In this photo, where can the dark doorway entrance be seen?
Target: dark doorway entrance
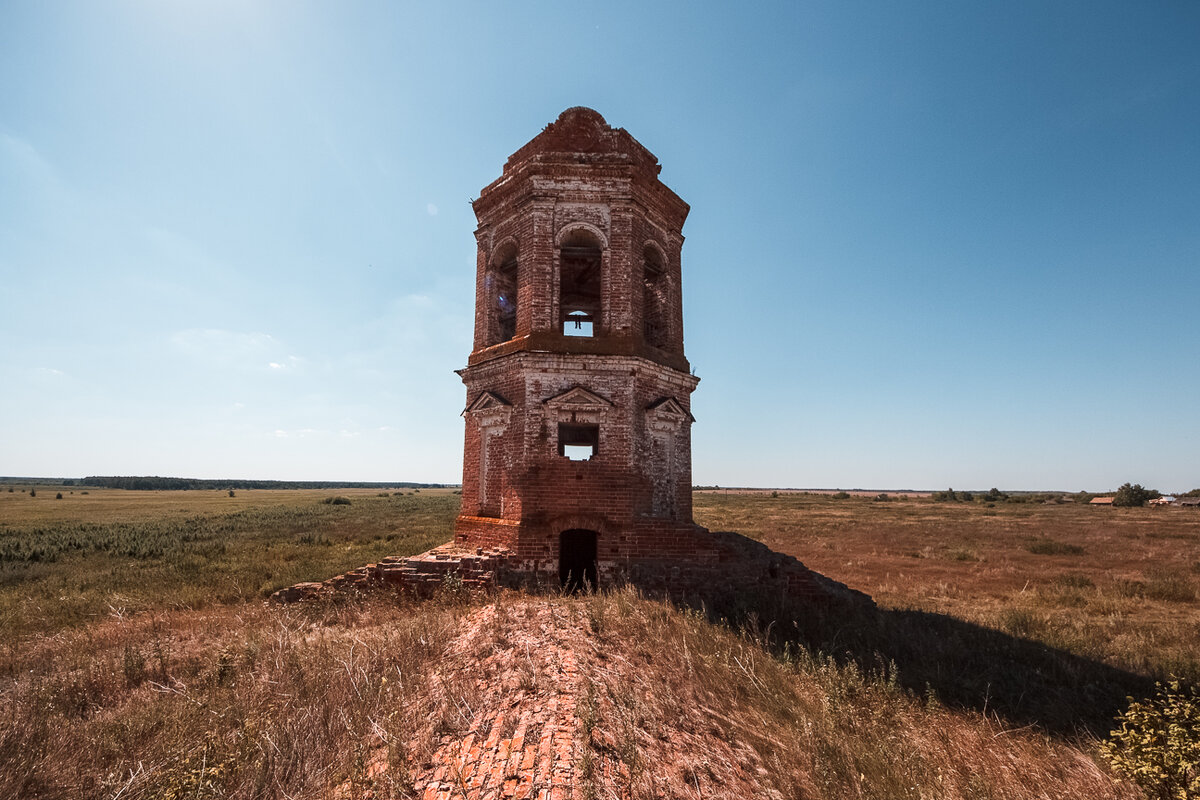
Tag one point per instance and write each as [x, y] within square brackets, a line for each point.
[577, 560]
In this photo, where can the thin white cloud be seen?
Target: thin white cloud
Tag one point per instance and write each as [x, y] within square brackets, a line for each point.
[431, 209]
[231, 349]
[299, 433]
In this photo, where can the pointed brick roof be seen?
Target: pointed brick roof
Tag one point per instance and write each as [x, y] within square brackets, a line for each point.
[580, 133]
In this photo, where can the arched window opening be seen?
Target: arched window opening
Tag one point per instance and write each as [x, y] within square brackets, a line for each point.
[654, 298]
[502, 279]
[579, 301]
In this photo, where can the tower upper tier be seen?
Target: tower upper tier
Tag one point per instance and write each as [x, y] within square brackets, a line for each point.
[579, 248]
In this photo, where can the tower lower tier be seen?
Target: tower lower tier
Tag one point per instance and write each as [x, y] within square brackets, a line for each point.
[566, 453]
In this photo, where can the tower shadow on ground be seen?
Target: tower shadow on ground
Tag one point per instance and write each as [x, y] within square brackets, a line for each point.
[962, 664]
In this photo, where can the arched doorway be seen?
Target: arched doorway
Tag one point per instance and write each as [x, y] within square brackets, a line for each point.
[577, 560]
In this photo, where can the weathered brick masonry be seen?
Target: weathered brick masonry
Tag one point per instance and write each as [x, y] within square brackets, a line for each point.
[577, 456]
[579, 346]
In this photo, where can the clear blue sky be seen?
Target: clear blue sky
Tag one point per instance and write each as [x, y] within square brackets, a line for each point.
[931, 243]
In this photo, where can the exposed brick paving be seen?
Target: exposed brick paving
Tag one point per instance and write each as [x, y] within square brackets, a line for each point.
[525, 738]
[553, 716]
[535, 704]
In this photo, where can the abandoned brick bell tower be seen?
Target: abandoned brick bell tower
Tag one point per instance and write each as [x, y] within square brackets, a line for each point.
[578, 431]
[577, 466]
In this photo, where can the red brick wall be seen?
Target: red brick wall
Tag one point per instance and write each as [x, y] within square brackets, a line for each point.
[636, 491]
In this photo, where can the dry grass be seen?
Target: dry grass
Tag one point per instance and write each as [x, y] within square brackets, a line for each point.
[239, 701]
[707, 712]
[1118, 586]
[335, 700]
[992, 657]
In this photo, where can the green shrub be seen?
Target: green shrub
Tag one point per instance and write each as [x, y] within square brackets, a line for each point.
[951, 496]
[842, 496]
[1158, 743]
[1133, 496]
[336, 501]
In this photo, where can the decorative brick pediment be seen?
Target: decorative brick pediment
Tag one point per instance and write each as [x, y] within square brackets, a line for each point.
[578, 397]
[578, 405]
[486, 400]
[667, 414]
[489, 410]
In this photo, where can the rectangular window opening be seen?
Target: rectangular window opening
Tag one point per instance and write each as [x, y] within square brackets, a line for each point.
[578, 442]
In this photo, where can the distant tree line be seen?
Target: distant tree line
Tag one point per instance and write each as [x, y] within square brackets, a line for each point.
[1128, 495]
[156, 482]
[992, 495]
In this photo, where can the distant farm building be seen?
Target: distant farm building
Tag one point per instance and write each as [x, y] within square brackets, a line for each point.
[1101, 501]
[1190, 502]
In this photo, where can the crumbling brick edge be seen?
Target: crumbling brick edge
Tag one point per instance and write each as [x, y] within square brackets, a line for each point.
[728, 564]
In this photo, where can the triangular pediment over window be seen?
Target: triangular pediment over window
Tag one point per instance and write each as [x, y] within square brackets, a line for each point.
[669, 407]
[577, 397]
[486, 401]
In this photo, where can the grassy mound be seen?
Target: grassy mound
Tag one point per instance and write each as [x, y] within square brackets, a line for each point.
[249, 700]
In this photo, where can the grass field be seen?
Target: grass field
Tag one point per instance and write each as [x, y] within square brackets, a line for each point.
[72, 561]
[140, 661]
[1118, 585]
